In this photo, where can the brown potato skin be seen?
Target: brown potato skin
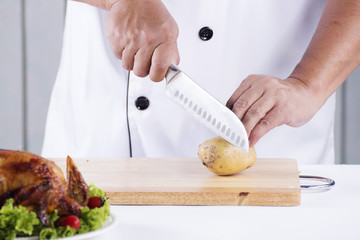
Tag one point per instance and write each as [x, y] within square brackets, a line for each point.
[223, 158]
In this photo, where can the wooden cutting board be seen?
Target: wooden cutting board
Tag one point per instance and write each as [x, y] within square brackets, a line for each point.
[179, 181]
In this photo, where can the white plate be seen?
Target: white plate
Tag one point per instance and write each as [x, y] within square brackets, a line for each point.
[107, 225]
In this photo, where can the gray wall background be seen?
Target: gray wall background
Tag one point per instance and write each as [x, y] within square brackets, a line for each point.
[30, 47]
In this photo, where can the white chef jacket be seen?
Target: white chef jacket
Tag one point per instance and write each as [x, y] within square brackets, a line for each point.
[93, 110]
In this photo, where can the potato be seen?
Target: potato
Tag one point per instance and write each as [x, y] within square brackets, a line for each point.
[223, 158]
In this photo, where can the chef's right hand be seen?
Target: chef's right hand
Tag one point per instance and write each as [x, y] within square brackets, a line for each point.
[143, 35]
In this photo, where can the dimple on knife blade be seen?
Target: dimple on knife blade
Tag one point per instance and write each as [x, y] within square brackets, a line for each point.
[205, 108]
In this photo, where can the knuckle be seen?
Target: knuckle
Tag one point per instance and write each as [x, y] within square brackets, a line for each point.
[270, 82]
[255, 112]
[265, 122]
[170, 33]
[248, 80]
[168, 37]
[118, 53]
[270, 78]
[132, 36]
[159, 67]
[282, 94]
[147, 39]
[115, 36]
[241, 104]
[127, 66]
[111, 34]
[230, 102]
[256, 133]
[251, 76]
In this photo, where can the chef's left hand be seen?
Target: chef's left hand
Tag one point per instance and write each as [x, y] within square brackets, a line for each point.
[263, 103]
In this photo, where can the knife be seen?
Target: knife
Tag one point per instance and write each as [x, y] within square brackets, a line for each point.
[205, 108]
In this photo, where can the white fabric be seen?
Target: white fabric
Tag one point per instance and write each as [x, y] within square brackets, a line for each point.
[93, 100]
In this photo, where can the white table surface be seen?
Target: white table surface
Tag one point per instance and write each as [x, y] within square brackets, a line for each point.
[331, 214]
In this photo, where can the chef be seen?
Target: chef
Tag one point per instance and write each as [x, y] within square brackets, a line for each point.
[268, 61]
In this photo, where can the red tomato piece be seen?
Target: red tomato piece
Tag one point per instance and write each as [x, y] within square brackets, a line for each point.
[96, 202]
[71, 221]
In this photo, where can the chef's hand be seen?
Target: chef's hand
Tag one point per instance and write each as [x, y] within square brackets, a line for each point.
[263, 103]
[143, 35]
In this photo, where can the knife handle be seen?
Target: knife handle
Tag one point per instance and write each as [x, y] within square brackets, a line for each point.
[171, 72]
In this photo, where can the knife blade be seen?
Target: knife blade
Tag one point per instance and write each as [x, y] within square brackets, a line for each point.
[205, 108]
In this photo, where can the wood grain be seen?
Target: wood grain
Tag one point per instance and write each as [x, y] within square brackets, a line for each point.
[177, 181]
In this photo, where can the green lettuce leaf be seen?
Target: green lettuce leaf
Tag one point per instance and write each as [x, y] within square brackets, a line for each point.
[59, 232]
[95, 191]
[16, 220]
[92, 219]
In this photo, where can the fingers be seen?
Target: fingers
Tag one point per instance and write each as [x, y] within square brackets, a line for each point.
[142, 61]
[271, 120]
[151, 61]
[266, 102]
[143, 35]
[257, 112]
[258, 102]
[244, 86]
[244, 102]
[161, 60]
[128, 56]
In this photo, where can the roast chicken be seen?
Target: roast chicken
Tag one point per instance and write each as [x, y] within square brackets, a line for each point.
[39, 184]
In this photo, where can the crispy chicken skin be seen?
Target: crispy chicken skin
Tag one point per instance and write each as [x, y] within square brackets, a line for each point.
[39, 184]
[76, 185]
